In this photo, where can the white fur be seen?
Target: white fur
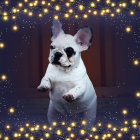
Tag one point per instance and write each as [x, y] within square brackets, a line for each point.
[61, 80]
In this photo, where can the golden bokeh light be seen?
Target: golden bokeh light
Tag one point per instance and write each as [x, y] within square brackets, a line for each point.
[138, 94]
[2, 45]
[8, 127]
[11, 110]
[59, 132]
[81, 7]
[57, 7]
[72, 135]
[124, 111]
[83, 122]
[82, 132]
[136, 62]
[131, 13]
[15, 28]
[3, 77]
[128, 29]
[73, 124]
[47, 135]
[92, 4]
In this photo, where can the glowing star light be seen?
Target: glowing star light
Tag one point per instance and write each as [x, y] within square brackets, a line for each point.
[69, 128]
[66, 15]
[124, 111]
[136, 62]
[92, 4]
[72, 0]
[57, 8]
[63, 123]
[85, 16]
[47, 135]
[6, 2]
[131, 13]
[26, 135]
[109, 126]
[44, 127]
[138, 94]
[71, 11]
[45, 10]
[2, 45]
[3, 77]
[94, 129]
[72, 135]
[59, 132]
[81, 7]
[119, 135]
[99, 124]
[82, 132]
[134, 122]
[133, 137]
[0, 136]
[54, 124]
[73, 124]
[83, 122]
[126, 122]
[15, 135]
[11, 110]
[5, 18]
[96, 137]
[6, 138]
[14, 27]
[27, 124]
[67, 4]
[76, 16]
[8, 127]
[128, 29]
[95, 12]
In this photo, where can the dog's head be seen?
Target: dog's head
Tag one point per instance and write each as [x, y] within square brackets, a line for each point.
[65, 49]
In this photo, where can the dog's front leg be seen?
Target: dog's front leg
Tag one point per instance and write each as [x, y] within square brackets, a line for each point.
[75, 92]
[45, 84]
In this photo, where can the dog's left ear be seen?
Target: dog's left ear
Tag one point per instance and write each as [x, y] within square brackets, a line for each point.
[56, 29]
[84, 38]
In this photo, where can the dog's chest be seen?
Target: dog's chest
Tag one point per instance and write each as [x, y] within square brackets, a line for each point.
[61, 87]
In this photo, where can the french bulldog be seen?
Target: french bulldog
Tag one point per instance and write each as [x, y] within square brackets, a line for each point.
[70, 89]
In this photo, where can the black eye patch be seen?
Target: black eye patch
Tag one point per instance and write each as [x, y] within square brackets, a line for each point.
[69, 51]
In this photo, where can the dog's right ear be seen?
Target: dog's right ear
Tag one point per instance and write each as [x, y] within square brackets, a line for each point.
[56, 29]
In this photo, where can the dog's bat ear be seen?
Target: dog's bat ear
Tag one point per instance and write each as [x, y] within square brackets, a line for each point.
[56, 29]
[84, 38]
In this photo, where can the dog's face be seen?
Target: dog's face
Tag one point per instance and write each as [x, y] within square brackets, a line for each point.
[65, 49]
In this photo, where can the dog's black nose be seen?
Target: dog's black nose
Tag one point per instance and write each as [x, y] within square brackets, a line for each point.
[57, 56]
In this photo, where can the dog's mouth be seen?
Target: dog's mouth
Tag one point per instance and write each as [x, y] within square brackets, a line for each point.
[59, 64]
[66, 66]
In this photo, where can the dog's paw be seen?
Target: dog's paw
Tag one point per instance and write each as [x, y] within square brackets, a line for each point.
[43, 88]
[68, 97]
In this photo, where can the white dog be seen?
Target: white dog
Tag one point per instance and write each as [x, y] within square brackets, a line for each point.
[70, 89]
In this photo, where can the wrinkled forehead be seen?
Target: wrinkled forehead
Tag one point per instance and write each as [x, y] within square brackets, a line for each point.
[63, 41]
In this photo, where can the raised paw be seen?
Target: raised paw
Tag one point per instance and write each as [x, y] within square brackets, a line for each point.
[43, 88]
[68, 97]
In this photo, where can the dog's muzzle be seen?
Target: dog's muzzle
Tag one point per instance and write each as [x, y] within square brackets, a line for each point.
[57, 56]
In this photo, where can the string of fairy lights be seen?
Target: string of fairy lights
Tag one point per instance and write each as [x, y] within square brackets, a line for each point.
[67, 9]
[97, 132]
[77, 10]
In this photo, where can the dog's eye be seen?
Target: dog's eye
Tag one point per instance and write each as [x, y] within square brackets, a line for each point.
[52, 47]
[69, 51]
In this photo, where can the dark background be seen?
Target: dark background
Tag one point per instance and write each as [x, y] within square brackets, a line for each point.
[109, 61]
